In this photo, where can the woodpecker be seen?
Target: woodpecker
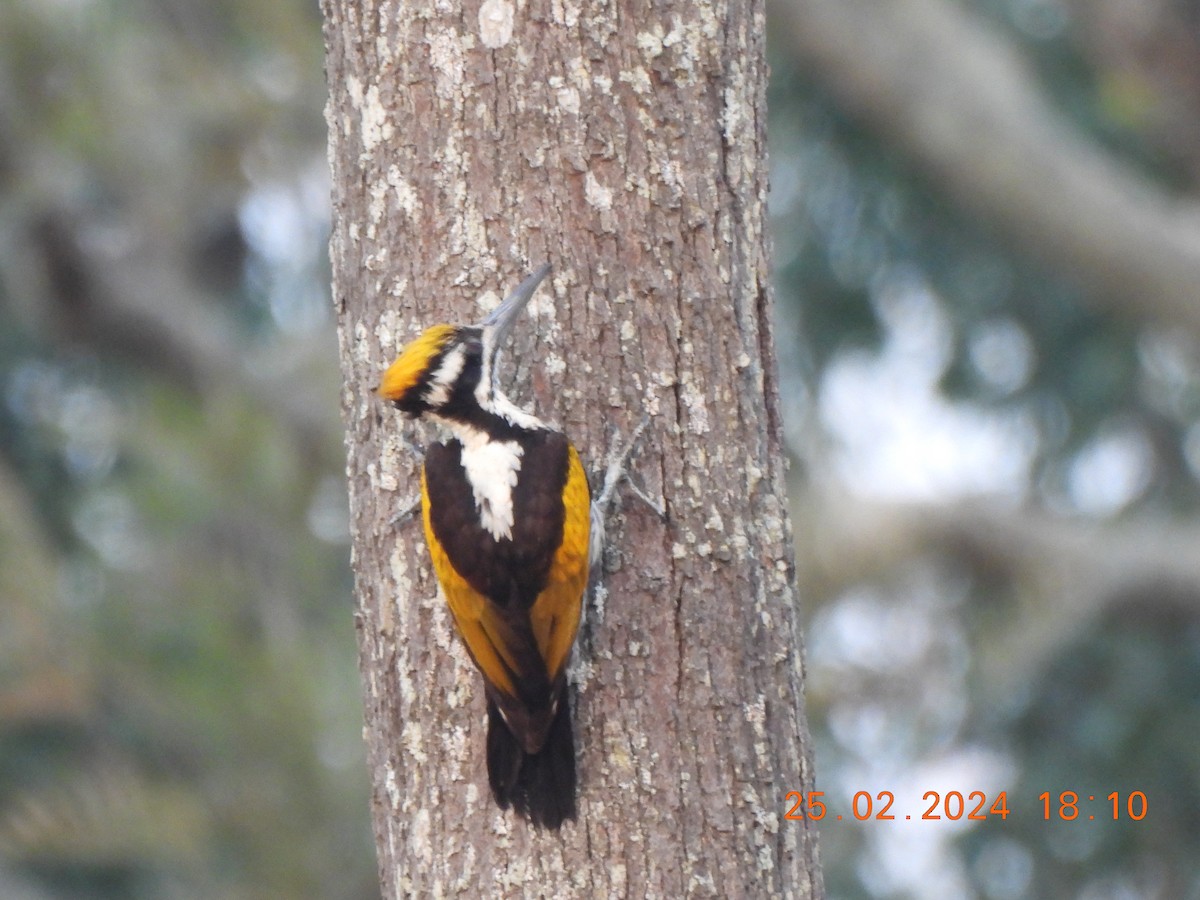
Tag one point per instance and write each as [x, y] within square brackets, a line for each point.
[507, 513]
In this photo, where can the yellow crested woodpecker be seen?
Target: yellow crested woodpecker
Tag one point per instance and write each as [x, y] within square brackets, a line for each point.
[510, 527]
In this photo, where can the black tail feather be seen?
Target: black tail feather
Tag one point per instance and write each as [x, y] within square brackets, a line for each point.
[539, 786]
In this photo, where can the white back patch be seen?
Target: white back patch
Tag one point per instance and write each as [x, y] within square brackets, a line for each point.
[492, 468]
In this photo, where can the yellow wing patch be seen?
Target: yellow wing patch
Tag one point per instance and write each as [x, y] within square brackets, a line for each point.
[555, 614]
[414, 359]
[470, 609]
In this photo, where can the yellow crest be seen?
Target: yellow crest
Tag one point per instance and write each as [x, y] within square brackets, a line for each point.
[413, 362]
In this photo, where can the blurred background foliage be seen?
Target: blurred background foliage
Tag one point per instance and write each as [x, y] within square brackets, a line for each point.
[996, 431]
[179, 711]
[996, 449]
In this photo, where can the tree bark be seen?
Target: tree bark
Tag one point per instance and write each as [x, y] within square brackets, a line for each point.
[625, 145]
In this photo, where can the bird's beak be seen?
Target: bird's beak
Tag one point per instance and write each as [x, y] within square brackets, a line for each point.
[500, 321]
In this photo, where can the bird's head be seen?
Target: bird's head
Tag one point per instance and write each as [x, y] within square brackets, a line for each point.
[449, 370]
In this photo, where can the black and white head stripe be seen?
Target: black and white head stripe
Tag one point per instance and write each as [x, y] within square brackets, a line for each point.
[496, 328]
[443, 374]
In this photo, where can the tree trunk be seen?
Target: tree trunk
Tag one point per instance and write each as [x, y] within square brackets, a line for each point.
[627, 148]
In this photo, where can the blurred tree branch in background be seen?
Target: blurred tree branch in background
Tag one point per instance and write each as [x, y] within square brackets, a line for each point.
[1067, 571]
[932, 79]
